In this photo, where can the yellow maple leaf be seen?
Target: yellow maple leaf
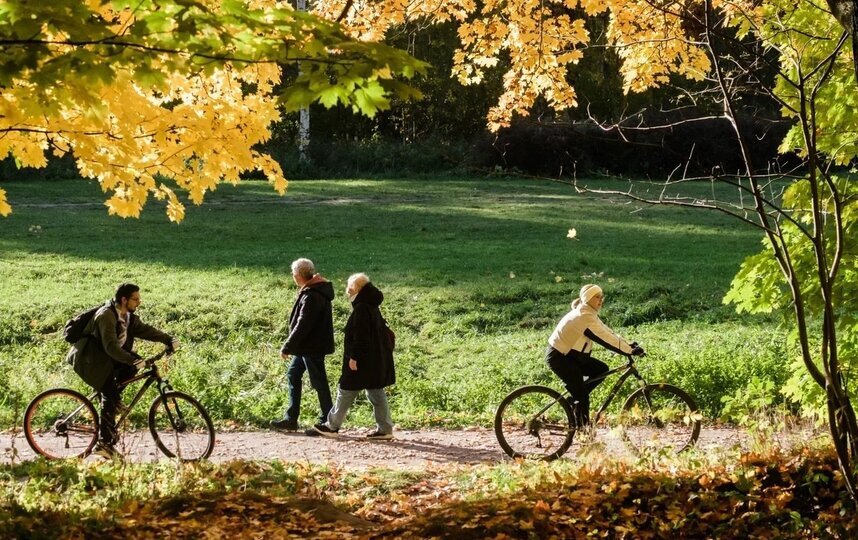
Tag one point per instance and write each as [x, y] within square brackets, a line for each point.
[5, 209]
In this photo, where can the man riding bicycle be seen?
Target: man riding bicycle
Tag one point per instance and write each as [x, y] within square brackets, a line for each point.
[570, 345]
[104, 357]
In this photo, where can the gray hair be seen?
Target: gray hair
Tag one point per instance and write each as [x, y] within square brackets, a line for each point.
[358, 281]
[304, 268]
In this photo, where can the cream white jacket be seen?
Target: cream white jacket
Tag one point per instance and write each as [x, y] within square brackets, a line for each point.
[579, 328]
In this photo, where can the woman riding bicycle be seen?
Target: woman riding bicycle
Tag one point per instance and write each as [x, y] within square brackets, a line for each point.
[570, 345]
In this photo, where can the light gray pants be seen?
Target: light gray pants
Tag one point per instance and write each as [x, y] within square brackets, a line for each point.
[380, 408]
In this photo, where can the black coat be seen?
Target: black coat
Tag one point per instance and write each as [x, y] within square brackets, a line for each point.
[311, 323]
[366, 341]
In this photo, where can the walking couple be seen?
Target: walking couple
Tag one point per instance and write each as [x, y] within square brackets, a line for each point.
[367, 352]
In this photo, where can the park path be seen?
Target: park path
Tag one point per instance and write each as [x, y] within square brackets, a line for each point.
[410, 450]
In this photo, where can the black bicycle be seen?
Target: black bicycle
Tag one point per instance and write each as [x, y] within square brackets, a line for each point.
[63, 423]
[538, 422]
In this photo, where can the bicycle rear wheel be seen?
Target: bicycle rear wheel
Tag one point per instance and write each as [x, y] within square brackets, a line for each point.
[658, 418]
[534, 422]
[181, 427]
[61, 423]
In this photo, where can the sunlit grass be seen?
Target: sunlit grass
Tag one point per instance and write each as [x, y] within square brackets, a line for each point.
[475, 274]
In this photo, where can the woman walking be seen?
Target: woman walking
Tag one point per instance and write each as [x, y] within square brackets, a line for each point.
[367, 360]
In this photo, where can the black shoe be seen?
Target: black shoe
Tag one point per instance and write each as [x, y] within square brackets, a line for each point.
[284, 424]
[323, 430]
[379, 436]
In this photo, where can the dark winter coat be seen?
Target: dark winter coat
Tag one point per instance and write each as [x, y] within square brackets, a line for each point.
[94, 354]
[311, 323]
[366, 340]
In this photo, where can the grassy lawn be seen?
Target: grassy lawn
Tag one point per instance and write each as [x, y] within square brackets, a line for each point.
[475, 274]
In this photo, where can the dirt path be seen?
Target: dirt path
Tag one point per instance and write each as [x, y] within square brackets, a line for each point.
[410, 450]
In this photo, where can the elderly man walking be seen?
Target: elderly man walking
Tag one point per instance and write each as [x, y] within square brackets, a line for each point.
[311, 337]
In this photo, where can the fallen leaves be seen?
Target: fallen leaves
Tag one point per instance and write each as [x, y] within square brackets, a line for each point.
[798, 497]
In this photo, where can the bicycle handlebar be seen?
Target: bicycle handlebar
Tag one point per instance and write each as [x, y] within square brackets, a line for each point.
[168, 351]
[631, 357]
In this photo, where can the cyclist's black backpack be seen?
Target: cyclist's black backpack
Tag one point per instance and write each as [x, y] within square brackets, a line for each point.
[74, 328]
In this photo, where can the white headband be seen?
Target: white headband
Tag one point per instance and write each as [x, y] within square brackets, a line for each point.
[588, 292]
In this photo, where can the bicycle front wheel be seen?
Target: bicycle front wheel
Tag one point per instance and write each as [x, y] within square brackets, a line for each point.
[61, 423]
[181, 427]
[534, 422]
[658, 418]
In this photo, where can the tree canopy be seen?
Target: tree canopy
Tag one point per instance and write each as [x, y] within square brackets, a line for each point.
[144, 91]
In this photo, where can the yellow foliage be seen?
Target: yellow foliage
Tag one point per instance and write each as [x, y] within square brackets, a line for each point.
[196, 128]
[542, 39]
[200, 128]
[5, 209]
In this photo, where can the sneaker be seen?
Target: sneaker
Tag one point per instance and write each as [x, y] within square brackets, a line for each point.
[379, 436]
[106, 451]
[323, 430]
[284, 424]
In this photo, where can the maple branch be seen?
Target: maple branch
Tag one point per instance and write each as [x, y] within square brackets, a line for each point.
[344, 12]
[43, 131]
[165, 50]
[672, 201]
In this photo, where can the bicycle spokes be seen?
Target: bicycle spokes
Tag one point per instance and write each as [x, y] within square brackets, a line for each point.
[658, 418]
[181, 427]
[61, 424]
[534, 422]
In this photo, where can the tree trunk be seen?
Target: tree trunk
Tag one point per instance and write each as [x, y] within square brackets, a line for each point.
[846, 13]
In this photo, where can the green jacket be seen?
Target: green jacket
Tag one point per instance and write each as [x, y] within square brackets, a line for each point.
[93, 355]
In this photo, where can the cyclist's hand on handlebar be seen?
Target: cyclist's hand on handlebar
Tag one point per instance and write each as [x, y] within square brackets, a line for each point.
[139, 361]
[637, 350]
[172, 347]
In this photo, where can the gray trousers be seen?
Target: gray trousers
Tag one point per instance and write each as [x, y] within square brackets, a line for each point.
[380, 408]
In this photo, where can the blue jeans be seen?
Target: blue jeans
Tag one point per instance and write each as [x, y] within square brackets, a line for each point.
[315, 366]
[380, 409]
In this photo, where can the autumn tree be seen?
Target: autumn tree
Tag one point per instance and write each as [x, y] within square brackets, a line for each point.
[809, 266]
[148, 95]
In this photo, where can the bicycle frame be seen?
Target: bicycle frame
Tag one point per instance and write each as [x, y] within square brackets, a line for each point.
[628, 370]
[152, 376]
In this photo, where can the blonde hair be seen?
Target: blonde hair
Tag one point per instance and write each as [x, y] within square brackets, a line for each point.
[357, 281]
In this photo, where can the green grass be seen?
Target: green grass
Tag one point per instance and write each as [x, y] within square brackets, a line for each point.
[475, 275]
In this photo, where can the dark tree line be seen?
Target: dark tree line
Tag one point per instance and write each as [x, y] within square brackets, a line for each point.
[609, 132]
